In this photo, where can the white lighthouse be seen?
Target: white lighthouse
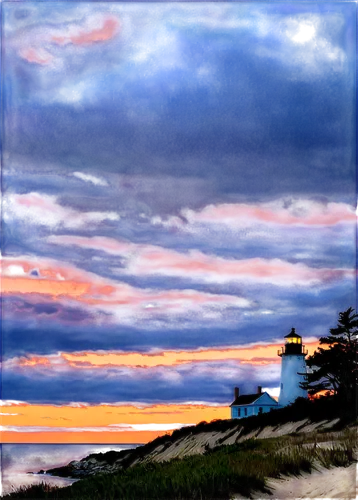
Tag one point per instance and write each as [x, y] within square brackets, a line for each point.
[293, 369]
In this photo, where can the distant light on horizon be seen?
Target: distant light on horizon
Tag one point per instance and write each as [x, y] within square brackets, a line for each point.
[159, 427]
[16, 270]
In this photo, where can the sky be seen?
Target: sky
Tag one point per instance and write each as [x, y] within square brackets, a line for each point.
[178, 192]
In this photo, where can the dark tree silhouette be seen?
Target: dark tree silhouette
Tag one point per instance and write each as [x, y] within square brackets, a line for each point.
[334, 367]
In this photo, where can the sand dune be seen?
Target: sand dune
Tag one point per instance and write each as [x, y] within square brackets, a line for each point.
[192, 444]
[338, 482]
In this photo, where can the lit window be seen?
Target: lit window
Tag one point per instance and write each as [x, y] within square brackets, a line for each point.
[294, 340]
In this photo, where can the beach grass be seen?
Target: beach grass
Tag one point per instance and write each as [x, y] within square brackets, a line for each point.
[217, 474]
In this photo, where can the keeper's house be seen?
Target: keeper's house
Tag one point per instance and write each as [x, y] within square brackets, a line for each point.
[252, 404]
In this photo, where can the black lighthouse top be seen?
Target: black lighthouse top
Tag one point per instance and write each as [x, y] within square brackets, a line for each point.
[293, 345]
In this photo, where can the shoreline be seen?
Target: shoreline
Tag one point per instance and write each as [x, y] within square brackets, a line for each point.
[95, 463]
[88, 465]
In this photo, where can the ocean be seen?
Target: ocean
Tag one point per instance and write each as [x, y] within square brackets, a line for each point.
[19, 459]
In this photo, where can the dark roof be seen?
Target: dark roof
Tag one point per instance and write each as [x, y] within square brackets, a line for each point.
[293, 334]
[247, 399]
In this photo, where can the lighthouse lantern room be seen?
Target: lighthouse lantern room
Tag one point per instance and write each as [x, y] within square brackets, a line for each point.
[293, 369]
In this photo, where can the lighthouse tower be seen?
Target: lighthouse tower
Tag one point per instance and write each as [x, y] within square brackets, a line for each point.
[293, 368]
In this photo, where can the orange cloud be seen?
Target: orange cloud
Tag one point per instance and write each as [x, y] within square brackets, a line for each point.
[44, 287]
[56, 280]
[97, 28]
[256, 355]
[36, 56]
[106, 32]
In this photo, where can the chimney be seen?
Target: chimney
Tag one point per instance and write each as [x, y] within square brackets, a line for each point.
[236, 392]
[259, 389]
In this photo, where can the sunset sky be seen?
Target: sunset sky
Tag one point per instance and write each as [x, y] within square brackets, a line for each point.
[178, 193]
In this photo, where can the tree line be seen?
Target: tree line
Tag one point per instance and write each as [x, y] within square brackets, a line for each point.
[332, 368]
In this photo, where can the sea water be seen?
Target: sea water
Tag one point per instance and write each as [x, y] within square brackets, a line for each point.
[18, 460]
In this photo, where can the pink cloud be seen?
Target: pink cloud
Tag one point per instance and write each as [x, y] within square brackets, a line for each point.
[146, 259]
[124, 303]
[34, 206]
[106, 32]
[36, 56]
[44, 210]
[296, 212]
[97, 28]
[101, 243]
[216, 269]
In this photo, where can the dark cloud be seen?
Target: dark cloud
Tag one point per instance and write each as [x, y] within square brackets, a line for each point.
[36, 313]
[311, 313]
[257, 129]
[157, 385]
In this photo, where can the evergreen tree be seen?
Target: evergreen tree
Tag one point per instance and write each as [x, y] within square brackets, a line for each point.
[334, 367]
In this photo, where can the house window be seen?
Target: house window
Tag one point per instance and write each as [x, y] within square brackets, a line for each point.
[260, 410]
[239, 412]
[281, 385]
[245, 411]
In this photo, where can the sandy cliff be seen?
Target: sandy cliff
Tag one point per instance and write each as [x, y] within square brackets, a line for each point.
[193, 444]
[189, 441]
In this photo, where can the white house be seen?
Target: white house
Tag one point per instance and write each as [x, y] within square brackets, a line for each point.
[252, 404]
[293, 373]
